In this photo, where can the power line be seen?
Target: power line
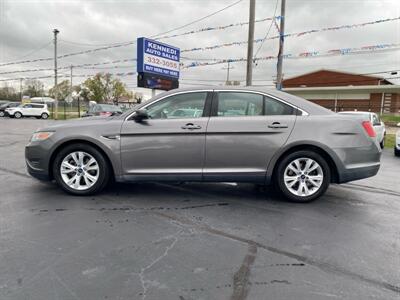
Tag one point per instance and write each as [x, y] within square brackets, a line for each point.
[268, 31]
[201, 19]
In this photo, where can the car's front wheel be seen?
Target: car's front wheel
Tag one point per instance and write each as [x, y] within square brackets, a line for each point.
[302, 176]
[396, 152]
[2, 114]
[81, 169]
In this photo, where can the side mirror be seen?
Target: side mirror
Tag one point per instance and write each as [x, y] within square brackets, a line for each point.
[140, 115]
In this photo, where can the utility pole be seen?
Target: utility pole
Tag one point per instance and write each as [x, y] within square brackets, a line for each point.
[280, 53]
[227, 74]
[250, 42]
[55, 110]
[70, 80]
[20, 89]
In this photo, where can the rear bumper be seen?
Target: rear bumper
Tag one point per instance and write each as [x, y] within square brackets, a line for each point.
[360, 172]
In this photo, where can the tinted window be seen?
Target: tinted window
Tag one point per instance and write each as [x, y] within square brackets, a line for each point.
[183, 106]
[375, 120]
[274, 107]
[235, 104]
[28, 106]
[37, 106]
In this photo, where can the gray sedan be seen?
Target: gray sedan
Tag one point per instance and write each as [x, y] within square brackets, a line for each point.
[241, 135]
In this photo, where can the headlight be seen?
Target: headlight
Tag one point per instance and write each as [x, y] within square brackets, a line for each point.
[41, 136]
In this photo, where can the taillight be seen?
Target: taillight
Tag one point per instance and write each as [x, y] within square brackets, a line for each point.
[369, 129]
[106, 113]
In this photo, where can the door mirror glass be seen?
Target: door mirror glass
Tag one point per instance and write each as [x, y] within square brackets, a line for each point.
[140, 115]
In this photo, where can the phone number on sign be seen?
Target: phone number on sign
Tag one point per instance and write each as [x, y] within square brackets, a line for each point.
[162, 62]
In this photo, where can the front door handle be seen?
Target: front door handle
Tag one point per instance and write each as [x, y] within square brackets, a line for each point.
[277, 125]
[191, 126]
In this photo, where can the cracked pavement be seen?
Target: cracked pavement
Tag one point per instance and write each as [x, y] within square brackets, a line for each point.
[194, 241]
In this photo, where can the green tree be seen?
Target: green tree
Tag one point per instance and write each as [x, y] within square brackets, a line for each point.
[9, 93]
[63, 89]
[33, 88]
[104, 88]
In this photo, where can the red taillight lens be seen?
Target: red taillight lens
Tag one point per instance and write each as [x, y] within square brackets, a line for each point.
[107, 113]
[369, 129]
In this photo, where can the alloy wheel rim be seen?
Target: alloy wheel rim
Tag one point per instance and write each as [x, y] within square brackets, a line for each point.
[303, 177]
[79, 170]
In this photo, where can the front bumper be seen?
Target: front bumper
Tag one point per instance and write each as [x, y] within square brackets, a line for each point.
[37, 161]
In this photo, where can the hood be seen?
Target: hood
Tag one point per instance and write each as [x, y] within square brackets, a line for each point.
[82, 122]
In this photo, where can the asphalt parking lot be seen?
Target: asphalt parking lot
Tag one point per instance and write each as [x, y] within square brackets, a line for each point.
[194, 241]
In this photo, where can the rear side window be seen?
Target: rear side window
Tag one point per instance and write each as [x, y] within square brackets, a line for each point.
[275, 107]
[37, 105]
[236, 104]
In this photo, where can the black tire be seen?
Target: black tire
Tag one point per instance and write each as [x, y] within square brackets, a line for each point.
[18, 115]
[396, 152]
[279, 182]
[44, 116]
[382, 143]
[104, 169]
[2, 113]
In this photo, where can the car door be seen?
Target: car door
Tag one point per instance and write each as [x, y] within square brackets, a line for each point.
[36, 110]
[27, 109]
[167, 147]
[244, 132]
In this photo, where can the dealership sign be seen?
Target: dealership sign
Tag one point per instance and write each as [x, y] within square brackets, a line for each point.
[157, 58]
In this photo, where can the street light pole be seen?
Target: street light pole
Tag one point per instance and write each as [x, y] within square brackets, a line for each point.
[55, 113]
[281, 41]
[250, 40]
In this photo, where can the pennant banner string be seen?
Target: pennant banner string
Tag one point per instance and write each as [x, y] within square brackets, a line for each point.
[297, 34]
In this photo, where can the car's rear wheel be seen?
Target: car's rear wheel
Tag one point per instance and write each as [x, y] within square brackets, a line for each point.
[18, 115]
[302, 176]
[44, 116]
[396, 152]
[81, 169]
[382, 143]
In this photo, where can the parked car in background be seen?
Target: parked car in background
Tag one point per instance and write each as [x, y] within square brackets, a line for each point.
[397, 143]
[7, 105]
[29, 110]
[242, 135]
[102, 110]
[378, 125]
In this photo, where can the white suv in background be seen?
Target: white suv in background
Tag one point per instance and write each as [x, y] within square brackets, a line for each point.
[29, 110]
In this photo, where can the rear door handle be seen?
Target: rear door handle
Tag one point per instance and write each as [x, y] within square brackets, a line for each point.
[191, 126]
[277, 125]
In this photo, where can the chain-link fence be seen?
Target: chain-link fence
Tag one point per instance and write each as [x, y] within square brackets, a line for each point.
[77, 109]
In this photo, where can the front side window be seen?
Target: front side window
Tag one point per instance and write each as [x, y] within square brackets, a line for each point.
[236, 104]
[182, 106]
[277, 108]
